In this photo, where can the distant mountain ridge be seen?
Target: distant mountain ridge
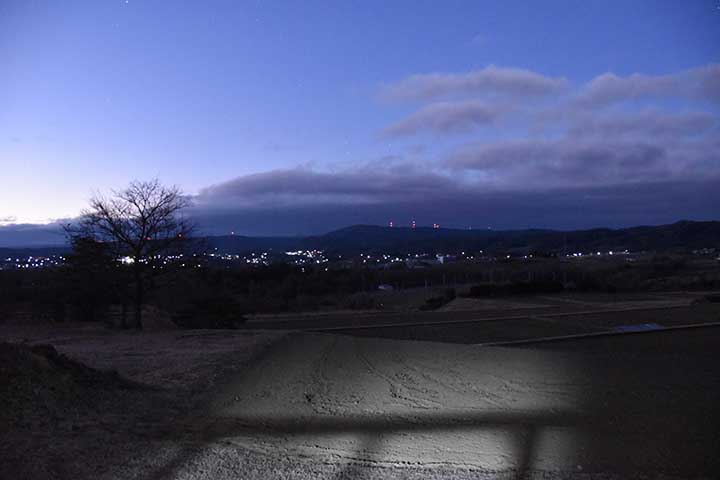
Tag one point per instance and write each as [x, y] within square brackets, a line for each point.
[358, 239]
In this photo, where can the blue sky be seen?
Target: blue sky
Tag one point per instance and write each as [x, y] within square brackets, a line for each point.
[415, 109]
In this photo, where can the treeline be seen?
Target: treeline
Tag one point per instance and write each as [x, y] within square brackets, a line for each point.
[202, 296]
[135, 250]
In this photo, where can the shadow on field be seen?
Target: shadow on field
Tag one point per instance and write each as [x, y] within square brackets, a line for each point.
[372, 430]
[647, 405]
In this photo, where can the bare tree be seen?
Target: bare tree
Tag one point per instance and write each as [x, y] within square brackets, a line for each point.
[144, 224]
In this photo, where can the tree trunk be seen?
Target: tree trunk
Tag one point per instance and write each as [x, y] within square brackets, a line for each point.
[123, 315]
[138, 299]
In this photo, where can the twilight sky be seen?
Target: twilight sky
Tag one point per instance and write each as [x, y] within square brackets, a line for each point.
[300, 117]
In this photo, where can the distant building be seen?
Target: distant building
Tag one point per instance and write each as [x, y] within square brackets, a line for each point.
[442, 259]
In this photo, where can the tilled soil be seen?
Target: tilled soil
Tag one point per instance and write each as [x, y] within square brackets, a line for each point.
[302, 405]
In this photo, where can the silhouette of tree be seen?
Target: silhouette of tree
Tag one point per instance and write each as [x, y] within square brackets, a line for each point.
[142, 226]
[92, 278]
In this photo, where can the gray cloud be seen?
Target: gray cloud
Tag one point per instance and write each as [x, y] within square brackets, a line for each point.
[31, 235]
[585, 107]
[457, 204]
[304, 201]
[308, 187]
[446, 117]
[701, 83]
[651, 123]
[570, 181]
[490, 80]
[572, 162]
